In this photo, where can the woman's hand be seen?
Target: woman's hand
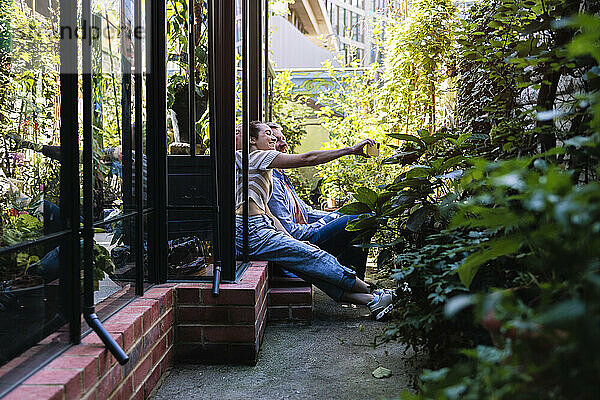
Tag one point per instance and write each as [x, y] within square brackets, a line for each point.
[358, 148]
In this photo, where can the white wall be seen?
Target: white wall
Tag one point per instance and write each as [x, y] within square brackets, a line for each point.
[291, 49]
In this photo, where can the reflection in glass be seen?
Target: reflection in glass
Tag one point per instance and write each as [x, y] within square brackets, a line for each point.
[31, 303]
[29, 112]
[112, 165]
[30, 286]
[114, 264]
[191, 185]
[189, 257]
[190, 244]
[178, 77]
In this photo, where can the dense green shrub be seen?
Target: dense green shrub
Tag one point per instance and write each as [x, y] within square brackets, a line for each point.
[494, 225]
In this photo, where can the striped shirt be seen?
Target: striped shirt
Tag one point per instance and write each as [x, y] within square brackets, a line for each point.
[260, 177]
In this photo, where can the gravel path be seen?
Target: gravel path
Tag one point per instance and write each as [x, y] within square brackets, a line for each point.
[330, 359]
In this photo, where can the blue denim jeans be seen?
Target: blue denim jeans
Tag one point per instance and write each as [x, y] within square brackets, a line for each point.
[337, 241]
[314, 265]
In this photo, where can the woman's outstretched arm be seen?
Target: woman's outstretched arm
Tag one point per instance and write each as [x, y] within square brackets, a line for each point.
[317, 157]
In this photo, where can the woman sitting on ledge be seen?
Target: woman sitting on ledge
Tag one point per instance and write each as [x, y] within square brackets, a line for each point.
[268, 240]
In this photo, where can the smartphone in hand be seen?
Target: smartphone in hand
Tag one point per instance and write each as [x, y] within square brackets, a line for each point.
[372, 150]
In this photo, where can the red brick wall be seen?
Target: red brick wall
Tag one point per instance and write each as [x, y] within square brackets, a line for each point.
[145, 330]
[290, 300]
[170, 322]
[224, 329]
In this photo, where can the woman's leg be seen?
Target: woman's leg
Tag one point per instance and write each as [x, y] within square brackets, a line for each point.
[313, 265]
[306, 261]
[359, 294]
[360, 286]
[356, 298]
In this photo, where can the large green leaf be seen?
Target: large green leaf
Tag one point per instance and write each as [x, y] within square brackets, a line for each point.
[489, 218]
[419, 172]
[416, 219]
[360, 224]
[367, 196]
[451, 162]
[382, 200]
[355, 208]
[402, 157]
[421, 184]
[494, 249]
[410, 138]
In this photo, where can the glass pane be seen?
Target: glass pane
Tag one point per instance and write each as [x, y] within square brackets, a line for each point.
[143, 100]
[32, 321]
[190, 179]
[29, 116]
[145, 261]
[114, 265]
[238, 61]
[201, 76]
[190, 244]
[112, 154]
[178, 77]
[115, 154]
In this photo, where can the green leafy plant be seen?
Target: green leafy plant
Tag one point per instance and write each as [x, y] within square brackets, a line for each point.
[177, 82]
[541, 223]
[289, 110]
[491, 228]
[103, 264]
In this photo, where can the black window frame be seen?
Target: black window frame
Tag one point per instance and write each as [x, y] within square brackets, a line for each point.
[258, 76]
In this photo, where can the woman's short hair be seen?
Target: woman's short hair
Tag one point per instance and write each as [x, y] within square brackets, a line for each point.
[274, 125]
[254, 128]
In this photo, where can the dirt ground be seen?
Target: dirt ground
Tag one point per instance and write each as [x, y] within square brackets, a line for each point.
[330, 359]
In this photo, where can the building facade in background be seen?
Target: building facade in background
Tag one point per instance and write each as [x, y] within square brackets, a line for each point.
[344, 27]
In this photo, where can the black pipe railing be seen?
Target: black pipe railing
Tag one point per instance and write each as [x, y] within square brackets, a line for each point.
[216, 278]
[110, 343]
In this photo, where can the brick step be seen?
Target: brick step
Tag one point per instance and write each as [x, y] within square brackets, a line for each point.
[224, 329]
[290, 296]
[278, 279]
[299, 314]
[284, 281]
[290, 304]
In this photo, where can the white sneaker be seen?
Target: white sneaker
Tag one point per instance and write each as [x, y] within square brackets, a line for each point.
[382, 303]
